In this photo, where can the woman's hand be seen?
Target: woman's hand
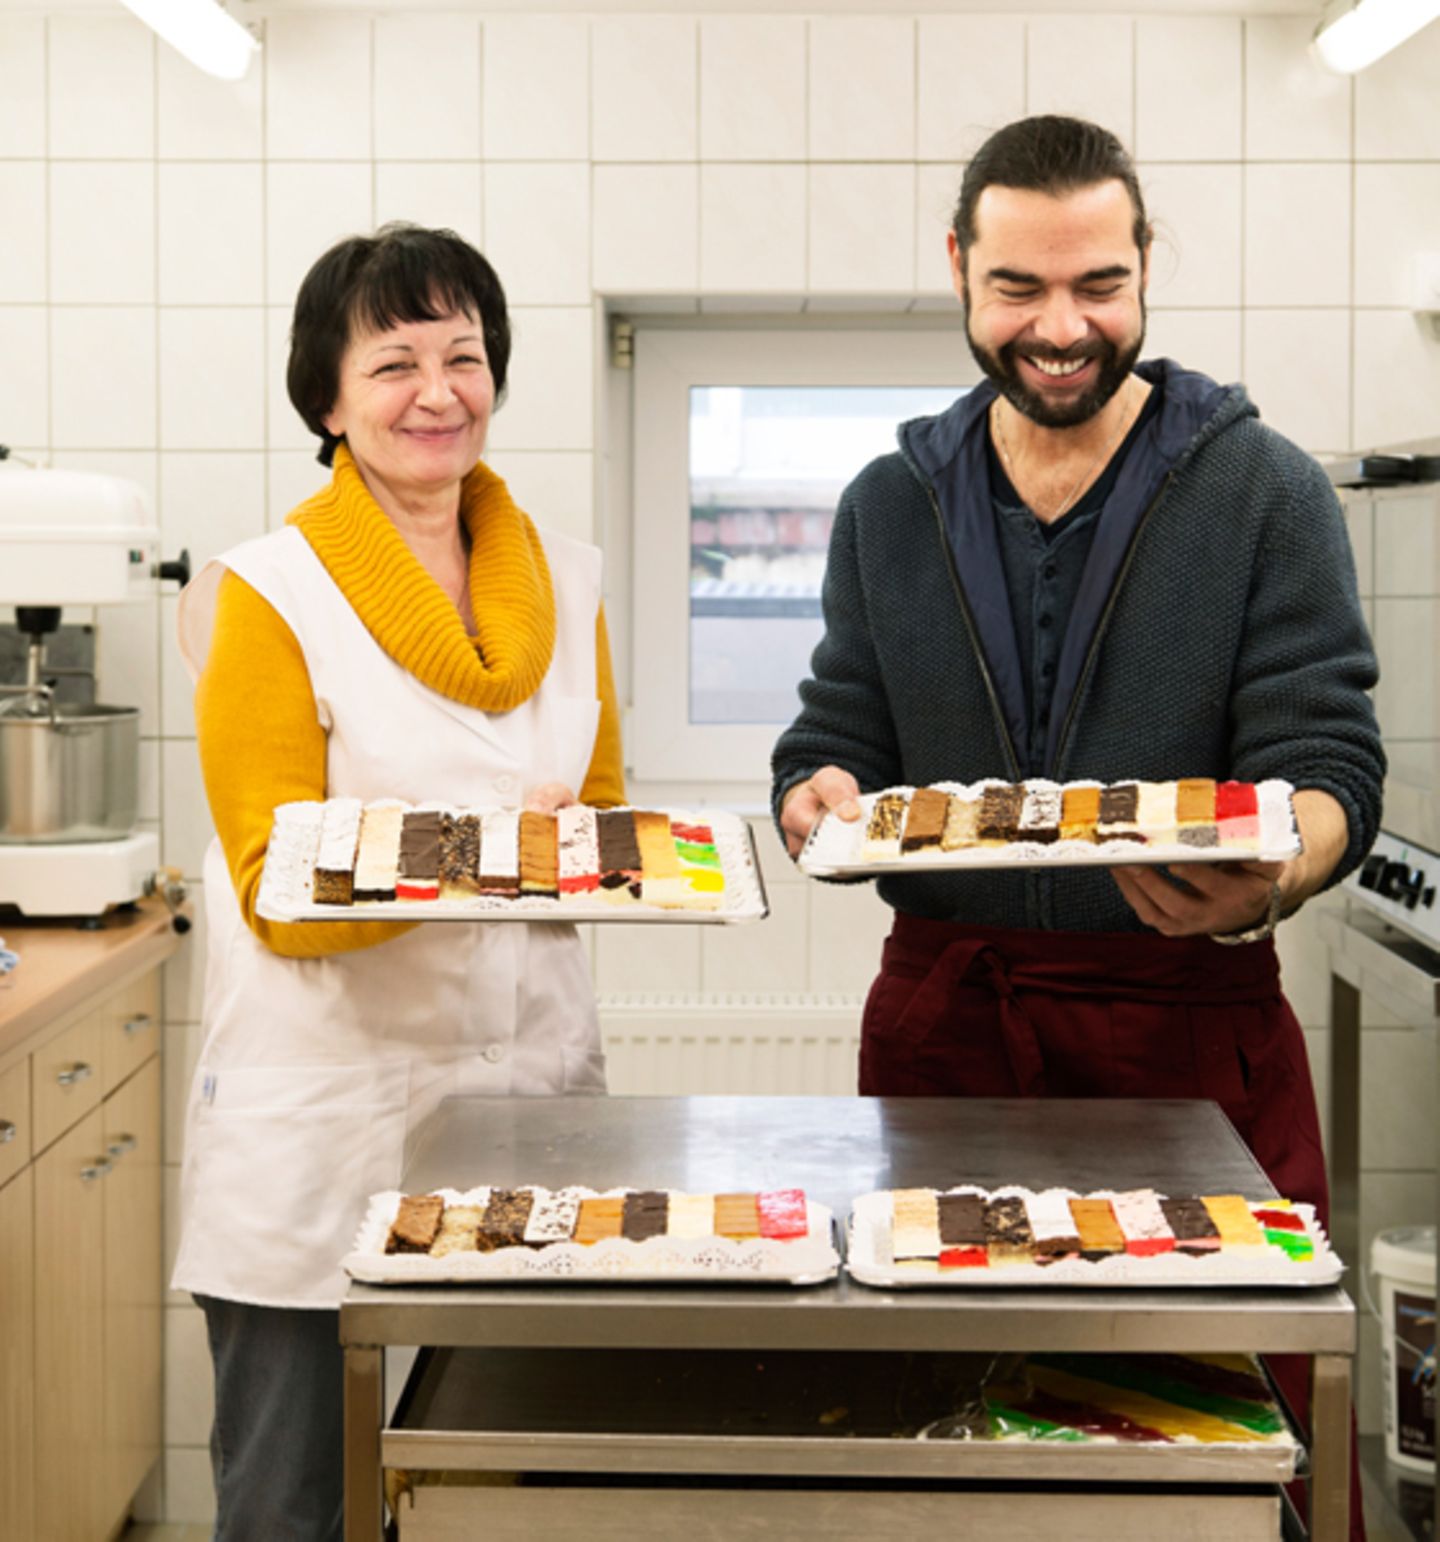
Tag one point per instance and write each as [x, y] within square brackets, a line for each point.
[1209, 897]
[548, 797]
[829, 790]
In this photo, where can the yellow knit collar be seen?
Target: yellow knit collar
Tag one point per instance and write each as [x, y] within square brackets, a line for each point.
[408, 613]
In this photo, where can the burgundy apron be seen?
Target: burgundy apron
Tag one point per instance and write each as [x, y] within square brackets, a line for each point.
[991, 1012]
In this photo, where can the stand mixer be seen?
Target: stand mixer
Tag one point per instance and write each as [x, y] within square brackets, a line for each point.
[69, 772]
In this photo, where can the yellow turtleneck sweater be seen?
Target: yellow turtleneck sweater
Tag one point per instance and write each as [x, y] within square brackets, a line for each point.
[260, 739]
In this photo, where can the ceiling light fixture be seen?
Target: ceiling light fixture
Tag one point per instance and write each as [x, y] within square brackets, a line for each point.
[203, 31]
[1355, 33]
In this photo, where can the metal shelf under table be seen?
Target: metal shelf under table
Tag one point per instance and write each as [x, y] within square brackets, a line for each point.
[836, 1148]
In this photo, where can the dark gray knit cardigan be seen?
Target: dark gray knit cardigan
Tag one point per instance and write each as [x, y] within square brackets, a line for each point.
[1219, 634]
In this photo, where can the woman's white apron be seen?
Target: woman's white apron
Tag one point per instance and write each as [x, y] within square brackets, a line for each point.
[314, 1071]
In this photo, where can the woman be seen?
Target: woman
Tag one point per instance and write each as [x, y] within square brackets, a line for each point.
[408, 633]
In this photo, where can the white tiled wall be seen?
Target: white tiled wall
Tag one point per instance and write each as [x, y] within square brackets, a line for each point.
[157, 222]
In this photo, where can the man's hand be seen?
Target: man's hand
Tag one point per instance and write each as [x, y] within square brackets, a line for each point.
[1233, 896]
[1210, 897]
[830, 789]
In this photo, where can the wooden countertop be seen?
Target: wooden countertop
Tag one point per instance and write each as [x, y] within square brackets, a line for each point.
[61, 966]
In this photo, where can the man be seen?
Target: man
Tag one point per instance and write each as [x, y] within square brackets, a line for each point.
[1087, 568]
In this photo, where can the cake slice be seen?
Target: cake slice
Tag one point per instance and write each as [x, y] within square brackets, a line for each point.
[915, 1225]
[459, 1226]
[1237, 815]
[737, 1216]
[419, 876]
[1155, 812]
[700, 866]
[644, 1214]
[1195, 812]
[599, 1218]
[459, 856]
[1142, 1223]
[882, 830]
[783, 1214]
[962, 824]
[579, 849]
[1007, 1230]
[1194, 1231]
[552, 1218]
[925, 819]
[335, 859]
[1119, 806]
[1080, 811]
[503, 1223]
[661, 882]
[1100, 1233]
[619, 855]
[962, 1231]
[1040, 814]
[539, 855]
[377, 861]
[692, 1215]
[1052, 1226]
[416, 1223]
[1000, 807]
[500, 853]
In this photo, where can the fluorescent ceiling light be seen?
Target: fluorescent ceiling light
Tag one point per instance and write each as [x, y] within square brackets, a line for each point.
[206, 34]
[1354, 33]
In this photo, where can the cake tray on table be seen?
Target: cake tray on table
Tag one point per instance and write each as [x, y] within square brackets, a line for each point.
[286, 888]
[870, 1256]
[836, 848]
[808, 1260]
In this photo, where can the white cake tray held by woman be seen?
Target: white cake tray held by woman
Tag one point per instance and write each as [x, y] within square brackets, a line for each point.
[286, 888]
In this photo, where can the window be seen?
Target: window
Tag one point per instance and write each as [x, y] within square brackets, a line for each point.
[742, 443]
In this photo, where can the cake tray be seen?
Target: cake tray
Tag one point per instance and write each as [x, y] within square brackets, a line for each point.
[285, 894]
[834, 849]
[811, 1260]
[868, 1260]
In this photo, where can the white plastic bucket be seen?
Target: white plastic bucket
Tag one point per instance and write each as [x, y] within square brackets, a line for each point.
[1403, 1262]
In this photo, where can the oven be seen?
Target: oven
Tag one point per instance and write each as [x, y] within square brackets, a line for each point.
[1392, 504]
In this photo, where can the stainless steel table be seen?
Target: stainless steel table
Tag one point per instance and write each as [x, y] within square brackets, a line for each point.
[836, 1148]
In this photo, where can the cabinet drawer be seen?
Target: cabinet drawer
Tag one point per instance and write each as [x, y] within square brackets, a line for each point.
[14, 1120]
[132, 1028]
[65, 1080]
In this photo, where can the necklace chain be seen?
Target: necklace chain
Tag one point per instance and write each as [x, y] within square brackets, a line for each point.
[1085, 475]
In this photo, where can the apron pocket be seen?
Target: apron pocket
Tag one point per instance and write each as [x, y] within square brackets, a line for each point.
[284, 1161]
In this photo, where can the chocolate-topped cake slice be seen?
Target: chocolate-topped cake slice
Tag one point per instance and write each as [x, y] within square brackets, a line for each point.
[645, 1214]
[962, 1231]
[419, 875]
[1119, 808]
[416, 1223]
[503, 1224]
[1194, 1231]
[925, 819]
[1000, 808]
[1007, 1230]
[459, 855]
[619, 855]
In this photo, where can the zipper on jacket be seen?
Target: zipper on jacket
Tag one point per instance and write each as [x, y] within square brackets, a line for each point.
[1007, 743]
[1103, 623]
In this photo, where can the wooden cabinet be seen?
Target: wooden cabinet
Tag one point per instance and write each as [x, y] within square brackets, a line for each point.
[81, 1261]
[17, 1356]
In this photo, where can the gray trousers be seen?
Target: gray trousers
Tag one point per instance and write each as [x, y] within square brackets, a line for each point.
[276, 1446]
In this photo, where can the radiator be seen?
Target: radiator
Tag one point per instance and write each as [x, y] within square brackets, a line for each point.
[732, 1043]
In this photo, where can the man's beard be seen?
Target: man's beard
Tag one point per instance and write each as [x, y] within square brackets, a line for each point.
[1003, 370]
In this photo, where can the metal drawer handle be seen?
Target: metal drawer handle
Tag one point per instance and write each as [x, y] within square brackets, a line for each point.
[8, 1131]
[96, 1169]
[122, 1145]
[78, 1072]
[138, 1023]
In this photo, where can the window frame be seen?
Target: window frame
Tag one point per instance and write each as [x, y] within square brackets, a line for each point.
[664, 746]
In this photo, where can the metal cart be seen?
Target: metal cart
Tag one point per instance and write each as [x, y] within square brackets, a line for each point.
[608, 1389]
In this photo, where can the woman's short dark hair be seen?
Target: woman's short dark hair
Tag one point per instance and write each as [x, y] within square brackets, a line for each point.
[1048, 154]
[403, 272]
